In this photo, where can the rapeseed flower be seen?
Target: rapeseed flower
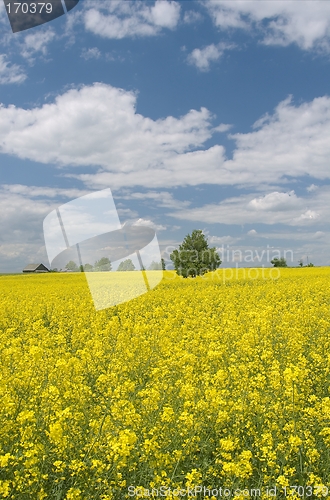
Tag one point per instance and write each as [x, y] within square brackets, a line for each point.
[198, 382]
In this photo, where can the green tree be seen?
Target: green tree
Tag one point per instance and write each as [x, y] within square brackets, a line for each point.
[163, 265]
[126, 265]
[194, 257]
[88, 268]
[72, 266]
[103, 264]
[279, 262]
[310, 265]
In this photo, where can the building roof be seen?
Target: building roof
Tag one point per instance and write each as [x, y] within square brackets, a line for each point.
[35, 267]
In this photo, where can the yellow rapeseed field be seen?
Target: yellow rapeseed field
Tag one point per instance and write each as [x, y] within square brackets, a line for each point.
[220, 382]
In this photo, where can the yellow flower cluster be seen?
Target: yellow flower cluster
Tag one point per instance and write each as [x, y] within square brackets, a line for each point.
[201, 382]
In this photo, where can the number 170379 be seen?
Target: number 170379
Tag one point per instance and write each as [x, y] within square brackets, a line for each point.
[29, 8]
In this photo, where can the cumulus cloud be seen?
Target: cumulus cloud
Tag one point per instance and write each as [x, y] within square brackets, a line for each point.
[294, 141]
[98, 127]
[201, 58]
[149, 223]
[117, 19]
[10, 73]
[272, 208]
[311, 188]
[37, 42]
[281, 22]
[165, 14]
[223, 127]
[276, 200]
[308, 215]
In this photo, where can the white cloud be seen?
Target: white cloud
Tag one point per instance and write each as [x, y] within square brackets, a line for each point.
[15, 256]
[309, 215]
[165, 14]
[159, 198]
[282, 22]
[92, 53]
[37, 42]
[97, 126]
[223, 127]
[293, 142]
[15, 208]
[149, 223]
[253, 232]
[41, 191]
[117, 19]
[10, 73]
[319, 235]
[191, 16]
[23, 209]
[201, 58]
[297, 235]
[126, 212]
[21, 238]
[223, 240]
[273, 208]
[311, 188]
[275, 201]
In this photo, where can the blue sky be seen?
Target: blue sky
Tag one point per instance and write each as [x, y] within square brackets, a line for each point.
[211, 115]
